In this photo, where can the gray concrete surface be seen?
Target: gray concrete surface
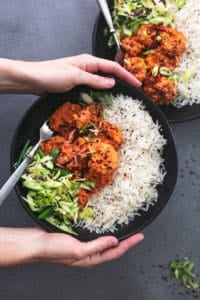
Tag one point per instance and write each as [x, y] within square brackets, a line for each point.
[45, 29]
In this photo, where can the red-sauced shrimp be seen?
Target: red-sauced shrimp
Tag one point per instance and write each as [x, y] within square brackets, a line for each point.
[89, 146]
[160, 88]
[55, 142]
[110, 134]
[62, 120]
[136, 66]
[131, 45]
[172, 42]
[84, 196]
[160, 60]
[92, 113]
[154, 46]
[103, 163]
[146, 35]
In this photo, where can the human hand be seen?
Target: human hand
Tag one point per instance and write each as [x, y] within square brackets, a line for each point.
[20, 245]
[61, 248]
[61, 75]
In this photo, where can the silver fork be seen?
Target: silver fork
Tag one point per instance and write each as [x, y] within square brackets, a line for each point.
[45, 134]
[119, 56]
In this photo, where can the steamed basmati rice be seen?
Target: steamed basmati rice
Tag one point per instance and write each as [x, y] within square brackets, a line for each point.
[187, 20]
[141, 168]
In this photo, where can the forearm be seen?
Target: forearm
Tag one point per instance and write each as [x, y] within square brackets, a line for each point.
[16, 77]
[18, 245]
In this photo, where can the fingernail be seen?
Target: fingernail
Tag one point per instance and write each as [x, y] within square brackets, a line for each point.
[113, 242]
[139, 83]
[109, 82]
[141, 236]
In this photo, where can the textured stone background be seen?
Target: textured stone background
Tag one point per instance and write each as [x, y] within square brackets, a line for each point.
[45, 29]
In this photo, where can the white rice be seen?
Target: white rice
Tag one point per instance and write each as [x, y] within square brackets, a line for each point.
[141, 168]
[187, 20]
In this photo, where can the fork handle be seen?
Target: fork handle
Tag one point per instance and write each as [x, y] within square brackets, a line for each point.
[107, 15]
[13, 179]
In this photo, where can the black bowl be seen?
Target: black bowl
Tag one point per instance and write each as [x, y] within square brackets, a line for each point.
[100, 48]
[29, 126]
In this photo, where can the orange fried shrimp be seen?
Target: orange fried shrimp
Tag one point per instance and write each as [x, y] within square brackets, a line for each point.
[146, 35]
[78, 155]
[160, 60]
[161, 89]
[110, 134]
[136, 66]
[63, 114]
[131, 45]
[92, 113]
[73, 156]
[103, 163]
[172, 42]
[83, 197]
[56, 142]
[62, 120]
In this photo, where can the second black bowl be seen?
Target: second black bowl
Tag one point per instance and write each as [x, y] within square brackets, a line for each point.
[100, 48]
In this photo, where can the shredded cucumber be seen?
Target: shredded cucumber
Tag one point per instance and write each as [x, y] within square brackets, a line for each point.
[53, 193]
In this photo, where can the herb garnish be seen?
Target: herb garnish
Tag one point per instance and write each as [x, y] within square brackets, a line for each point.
[182, 269]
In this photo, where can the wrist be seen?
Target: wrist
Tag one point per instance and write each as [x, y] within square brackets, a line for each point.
[16, 77]
[19, 246]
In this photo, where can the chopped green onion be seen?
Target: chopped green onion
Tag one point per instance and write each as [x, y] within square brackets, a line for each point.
[189, 74]
[183, 271]
[174, 77]
[165, 71]
[24, 151]
[145, 53]
[180, 3]
[54, 153]
[47, 212]
[155, 70]
[102, 97]
[86, 213]
[86, 98]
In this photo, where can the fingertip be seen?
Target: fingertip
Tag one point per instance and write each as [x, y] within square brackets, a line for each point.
[135, 81]
[140, 236]
[133, 240]
[109, 82]
[111, 241]
[138, 83]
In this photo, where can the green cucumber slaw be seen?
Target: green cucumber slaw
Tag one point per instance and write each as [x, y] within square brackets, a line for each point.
[52, 193]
